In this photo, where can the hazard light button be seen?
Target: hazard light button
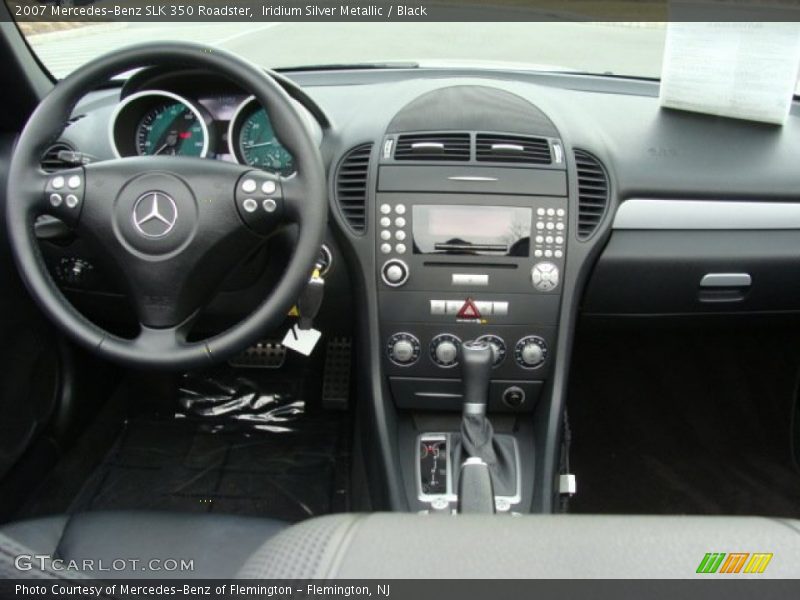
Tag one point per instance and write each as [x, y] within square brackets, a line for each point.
[469, 310]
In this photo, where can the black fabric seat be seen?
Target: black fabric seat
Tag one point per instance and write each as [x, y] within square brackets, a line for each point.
[216, 545]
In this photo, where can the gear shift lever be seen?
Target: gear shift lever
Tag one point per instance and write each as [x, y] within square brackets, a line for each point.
[475, 490]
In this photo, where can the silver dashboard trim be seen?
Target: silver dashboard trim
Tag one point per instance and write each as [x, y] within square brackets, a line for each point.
[642, 213]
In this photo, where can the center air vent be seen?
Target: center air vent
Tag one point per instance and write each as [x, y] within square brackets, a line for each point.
[592, 193]
[512, 149]
[351, 186]
[50, 160]
[433, 146]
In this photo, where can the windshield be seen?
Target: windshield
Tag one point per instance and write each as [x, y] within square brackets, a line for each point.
[633, 49]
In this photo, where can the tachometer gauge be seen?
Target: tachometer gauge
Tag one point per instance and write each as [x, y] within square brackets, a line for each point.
[170, 129]
[253, 141]
[157, 122]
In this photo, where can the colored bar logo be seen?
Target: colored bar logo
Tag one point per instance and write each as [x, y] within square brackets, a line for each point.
[734, 562]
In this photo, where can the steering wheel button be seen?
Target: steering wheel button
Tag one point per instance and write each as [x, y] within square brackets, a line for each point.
[268, 187]
[57, 183]
[72, 201]
[250, 205]
[269, 205]
[56, 200]
[249, 186]
[74, 182]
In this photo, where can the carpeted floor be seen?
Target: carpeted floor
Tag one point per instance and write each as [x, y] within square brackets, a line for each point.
[678, 422]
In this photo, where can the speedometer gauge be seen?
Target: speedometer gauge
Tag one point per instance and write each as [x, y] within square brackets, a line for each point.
[172, 129]
[254, 142]
[157, 122]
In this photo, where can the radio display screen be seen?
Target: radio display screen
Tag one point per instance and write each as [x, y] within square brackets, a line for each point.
[471, 230]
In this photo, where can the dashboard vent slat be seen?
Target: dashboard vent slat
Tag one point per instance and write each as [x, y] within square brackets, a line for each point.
[433, 146]
[351, 187]
[592, 193]
[51, 162]
[512, 149]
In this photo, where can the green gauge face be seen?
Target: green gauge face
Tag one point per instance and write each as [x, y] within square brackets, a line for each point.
[260, 148]
[171, 129]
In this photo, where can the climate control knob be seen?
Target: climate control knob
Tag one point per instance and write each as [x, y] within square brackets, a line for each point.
[498, 347]
[394, 272]
[445, 350]
[530, 352]
[403, 349]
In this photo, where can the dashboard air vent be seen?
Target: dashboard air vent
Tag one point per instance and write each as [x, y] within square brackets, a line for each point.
[50, 160]
[512, 149]
[433, 146]
[592, 193]
[351, 186]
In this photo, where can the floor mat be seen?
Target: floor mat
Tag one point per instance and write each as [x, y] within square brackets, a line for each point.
[675, 422]
[230, 448]
[185, 466]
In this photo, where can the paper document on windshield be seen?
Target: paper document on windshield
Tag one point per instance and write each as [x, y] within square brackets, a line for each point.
[732, 69]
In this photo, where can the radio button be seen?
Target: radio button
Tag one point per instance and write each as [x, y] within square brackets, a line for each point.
[400, 235]
[476, 279]
[438, 307]
[386, 209]
[386, 222]
[559, 239]
[560, 226]
[538, 253]
[400, 222]
[394, 273]
[540, 212]
[500, 309]
[400, 209]
[558, 253]
[386, 248]
[550, 226]
[400, 248]
[485, 308]
[561, 212]
[453, 306]
[551, 212]
[386, 235]
[539, 239]
[545, 276]
[539, 225]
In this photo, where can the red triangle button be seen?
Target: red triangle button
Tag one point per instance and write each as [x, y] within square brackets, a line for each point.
[469, 310]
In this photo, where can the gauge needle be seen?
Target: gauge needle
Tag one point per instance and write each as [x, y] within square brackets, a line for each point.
[259, 145]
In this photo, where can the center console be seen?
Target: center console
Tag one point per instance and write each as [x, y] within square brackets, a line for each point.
[457, 264]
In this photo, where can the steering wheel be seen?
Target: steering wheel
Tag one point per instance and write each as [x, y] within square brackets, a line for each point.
[172, 227]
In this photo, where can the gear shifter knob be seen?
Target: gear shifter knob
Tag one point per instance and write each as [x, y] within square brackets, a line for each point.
[476, 367]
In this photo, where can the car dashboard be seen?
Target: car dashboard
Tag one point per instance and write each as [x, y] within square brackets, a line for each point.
[470, 204]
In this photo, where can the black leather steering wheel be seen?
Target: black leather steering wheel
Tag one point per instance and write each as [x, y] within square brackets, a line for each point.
[173, 227]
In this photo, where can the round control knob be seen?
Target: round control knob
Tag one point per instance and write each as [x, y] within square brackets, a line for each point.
[498, 347]
[394, 272]
[530, 352]
[403, 349]
[444, 350]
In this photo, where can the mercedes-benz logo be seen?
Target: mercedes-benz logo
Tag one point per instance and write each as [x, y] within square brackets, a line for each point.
[155, 214]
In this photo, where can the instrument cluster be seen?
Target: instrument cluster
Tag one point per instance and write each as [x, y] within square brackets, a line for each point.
[224, 127]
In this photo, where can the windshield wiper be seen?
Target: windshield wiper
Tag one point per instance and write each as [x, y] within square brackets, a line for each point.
[353, 66]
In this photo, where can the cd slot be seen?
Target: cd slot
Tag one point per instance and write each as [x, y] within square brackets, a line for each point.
[461, 265]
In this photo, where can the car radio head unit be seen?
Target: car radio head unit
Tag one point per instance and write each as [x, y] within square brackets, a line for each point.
[473, 230]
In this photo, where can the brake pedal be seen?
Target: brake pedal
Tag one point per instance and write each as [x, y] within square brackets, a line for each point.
[267, 354]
